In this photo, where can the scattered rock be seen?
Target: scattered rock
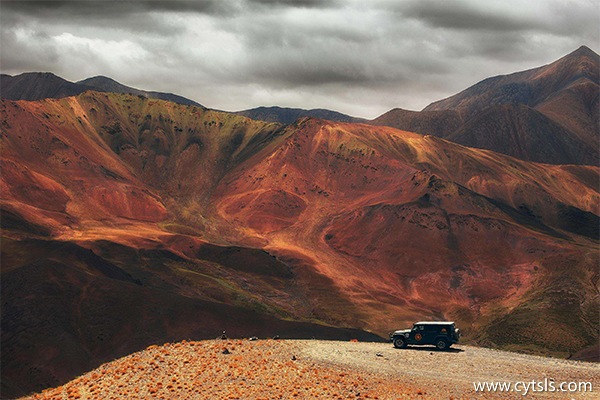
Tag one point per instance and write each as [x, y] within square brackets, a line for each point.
[344, 370]
[224, 336]
[276, 337]
[379, 354]
[253, 338]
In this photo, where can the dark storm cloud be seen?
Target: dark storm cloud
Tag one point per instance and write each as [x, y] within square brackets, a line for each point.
[568, 17]
[296, 3]
[467, 16]
[115, 8]
[359, 57]
[120, 8]
[13, 59]
[331, 47]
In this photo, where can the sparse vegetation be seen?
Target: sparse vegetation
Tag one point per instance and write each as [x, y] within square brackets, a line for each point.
[262, 369]
[280, 369]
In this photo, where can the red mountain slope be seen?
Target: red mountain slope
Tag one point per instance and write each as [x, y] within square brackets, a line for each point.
[417, 219]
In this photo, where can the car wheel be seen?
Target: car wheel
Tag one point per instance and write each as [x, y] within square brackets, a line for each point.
[400, 342]
[441, 344]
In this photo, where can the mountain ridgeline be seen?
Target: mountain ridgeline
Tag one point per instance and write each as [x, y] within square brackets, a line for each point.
[287, 115]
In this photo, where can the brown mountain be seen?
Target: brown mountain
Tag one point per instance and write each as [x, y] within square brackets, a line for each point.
[524, 133]
[105, 84]
[565, 92]
[286, 115]
[128, 221]
[36, 86]
[532, 87]
[44, 85]
[437, 123]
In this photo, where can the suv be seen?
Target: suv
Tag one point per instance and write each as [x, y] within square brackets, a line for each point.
[442, 334]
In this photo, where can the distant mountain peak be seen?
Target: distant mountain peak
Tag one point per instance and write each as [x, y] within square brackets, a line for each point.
[37, 85]
[286, 115]
[583, 51]
[40, 75]
[42, 85]
[582, 56]
[561, 96]
[98, 78]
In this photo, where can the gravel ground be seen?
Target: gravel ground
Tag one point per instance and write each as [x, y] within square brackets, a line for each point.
[312, 369]
[452, 373]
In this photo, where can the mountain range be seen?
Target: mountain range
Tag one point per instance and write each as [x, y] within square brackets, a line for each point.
[548, 114]
[129, 221]
[43, 85]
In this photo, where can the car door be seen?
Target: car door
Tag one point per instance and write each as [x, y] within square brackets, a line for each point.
[417, 334]
[446, 331]
[430, 333]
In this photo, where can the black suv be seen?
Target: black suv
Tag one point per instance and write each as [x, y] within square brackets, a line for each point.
[442, 334]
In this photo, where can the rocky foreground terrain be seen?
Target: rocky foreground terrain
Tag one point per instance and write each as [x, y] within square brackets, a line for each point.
[313, 369]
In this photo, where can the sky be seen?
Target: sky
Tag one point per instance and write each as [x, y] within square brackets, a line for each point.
[361, 57]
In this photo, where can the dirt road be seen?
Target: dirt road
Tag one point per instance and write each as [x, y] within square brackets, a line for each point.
[452, 373]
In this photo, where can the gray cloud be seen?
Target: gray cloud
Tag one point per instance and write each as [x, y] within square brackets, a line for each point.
[358, 57]
[468, 15]
[56, 8]
[295, 3]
